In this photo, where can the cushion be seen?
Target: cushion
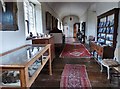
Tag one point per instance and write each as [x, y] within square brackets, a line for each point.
[110, 62]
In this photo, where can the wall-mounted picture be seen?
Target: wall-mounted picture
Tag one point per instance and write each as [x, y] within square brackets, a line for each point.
[53, 22]
[48, 21]
[8, 16]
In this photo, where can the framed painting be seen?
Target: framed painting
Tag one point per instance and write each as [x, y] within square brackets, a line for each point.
[48, 21]
[8, 16]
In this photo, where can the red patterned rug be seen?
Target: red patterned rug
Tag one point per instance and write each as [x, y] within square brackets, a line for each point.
[75, 51]
[74, 76]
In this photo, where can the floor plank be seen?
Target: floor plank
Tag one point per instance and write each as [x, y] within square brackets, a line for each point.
[97, 78]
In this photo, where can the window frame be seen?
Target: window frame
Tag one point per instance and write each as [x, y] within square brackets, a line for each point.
[28, 20]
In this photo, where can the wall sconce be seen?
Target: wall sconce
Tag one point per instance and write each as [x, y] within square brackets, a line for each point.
[3, 5]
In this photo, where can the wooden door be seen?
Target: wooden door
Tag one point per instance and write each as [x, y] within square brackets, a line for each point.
[76, 26]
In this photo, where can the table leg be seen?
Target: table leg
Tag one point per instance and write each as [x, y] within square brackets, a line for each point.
[108, 72]
[101, 68]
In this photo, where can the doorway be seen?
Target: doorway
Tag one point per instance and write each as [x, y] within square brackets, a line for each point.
[66, 31]
[76, 28]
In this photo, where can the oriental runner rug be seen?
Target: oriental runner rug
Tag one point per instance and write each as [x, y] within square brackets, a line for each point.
[74, 76]
[75, 51]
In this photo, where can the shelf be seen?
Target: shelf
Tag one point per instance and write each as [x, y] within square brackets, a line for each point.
[102, 38]
[109, 40]
[107, 26]
[104, 33]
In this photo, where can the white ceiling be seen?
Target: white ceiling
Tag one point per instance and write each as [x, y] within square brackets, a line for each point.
[63, 9]
[78, 0]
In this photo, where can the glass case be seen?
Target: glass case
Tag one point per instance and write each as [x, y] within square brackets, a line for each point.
[107, 24]
[21, 66]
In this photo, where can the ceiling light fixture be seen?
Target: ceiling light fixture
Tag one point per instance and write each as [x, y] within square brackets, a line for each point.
[70, 13]
[70, 18]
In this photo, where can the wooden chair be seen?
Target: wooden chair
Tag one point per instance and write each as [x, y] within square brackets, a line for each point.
[109, 63]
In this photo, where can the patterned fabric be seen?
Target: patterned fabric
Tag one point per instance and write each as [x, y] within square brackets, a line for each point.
[110, 62]
[74, 76]
[75, 51]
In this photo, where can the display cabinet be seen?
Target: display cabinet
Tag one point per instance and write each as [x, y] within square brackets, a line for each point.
[107, 25]
[46, 40]
[20, 67]
[107, 28]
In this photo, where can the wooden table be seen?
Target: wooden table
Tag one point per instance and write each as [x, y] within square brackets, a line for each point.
[46, 40]
[21, 66]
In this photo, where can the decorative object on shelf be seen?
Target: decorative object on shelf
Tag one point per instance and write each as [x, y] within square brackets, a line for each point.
[101, 41]
[107, 23]
[107, 31]
[100, 29]
[102, 35]
[104, 30]
[99, 35]
[9, 77]
[31, 35]
[112, 30]
[112, 22]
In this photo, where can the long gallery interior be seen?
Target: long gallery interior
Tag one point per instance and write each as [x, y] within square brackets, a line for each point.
[61, 45]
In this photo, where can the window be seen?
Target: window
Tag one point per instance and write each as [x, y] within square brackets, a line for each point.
[29, 12]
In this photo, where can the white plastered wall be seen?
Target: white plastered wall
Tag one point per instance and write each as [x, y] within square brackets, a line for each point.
[13, 39]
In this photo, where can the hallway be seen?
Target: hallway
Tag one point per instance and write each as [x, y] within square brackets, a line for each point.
[97, 79]
[28, 23]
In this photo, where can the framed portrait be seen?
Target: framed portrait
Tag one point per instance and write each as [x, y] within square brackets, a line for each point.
[48, 21]
[8, 17]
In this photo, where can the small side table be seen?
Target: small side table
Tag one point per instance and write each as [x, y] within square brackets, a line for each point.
[116, 74]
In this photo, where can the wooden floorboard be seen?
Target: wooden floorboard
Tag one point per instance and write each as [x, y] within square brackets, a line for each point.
[97, 79]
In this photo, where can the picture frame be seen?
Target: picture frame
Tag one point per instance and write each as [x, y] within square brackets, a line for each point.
[8, 17]
[48, 21]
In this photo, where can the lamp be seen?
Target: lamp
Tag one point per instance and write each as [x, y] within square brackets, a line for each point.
[70, 13]
[3, 5]
[70, 18]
